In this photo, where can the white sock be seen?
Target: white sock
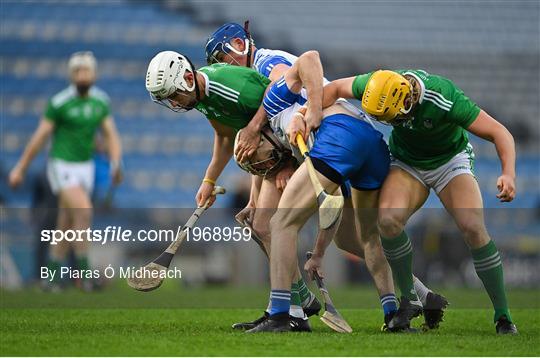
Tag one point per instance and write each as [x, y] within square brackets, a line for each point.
[296, 311]
[421, 290]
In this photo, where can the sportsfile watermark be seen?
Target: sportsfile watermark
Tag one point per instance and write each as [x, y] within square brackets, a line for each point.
[120, 234]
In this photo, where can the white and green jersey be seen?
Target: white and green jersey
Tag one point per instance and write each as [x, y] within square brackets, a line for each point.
[233, 94]
[76, 120]
[436, 130]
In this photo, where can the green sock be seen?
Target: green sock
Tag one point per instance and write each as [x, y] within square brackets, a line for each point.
[295, 296]
[488, 266]
[303, 290]
[54, 265]
[398, 252]
[82, 263]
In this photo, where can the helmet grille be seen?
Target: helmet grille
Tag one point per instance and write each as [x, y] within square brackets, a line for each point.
[159, 79]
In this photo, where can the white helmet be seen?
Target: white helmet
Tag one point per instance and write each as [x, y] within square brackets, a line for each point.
[165, 76]
[82, 59]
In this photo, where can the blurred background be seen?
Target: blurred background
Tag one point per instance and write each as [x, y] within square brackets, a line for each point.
[488, 48]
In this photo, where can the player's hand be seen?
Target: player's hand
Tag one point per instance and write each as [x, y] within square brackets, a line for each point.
[297, 125]
[507, 188]
[116, 172]
[246, 214]
[283, 176]
[204, 194]
[117, 176]
[247, 143]
[314, 264]
[16, 177]
[313, 118]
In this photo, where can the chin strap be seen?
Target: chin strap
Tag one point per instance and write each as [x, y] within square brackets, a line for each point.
[197, 92]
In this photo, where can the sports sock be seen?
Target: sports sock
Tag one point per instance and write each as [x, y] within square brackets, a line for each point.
[488, 266]
[389, 303]
[398, 252]
[305, 294]
[281, 301]
[421, 290]
[296, 304]
[269, 307]
[54, 265]
[82, 263]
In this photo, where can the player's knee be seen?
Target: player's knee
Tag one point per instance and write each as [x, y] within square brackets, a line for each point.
[474, 231]
[390, 224]
[281, 221]
[262, 228]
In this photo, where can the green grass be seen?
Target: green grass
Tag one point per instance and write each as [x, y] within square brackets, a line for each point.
[75, 324]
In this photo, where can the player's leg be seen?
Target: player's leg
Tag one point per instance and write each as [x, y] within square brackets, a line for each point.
[266, 207]
[401, 195]
[366, 204]
[296, 205]
[467, 211]
[347, 236]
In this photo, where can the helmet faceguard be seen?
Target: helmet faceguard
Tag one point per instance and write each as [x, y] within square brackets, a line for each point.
[387, 97]
[165, 80]
[269, 158]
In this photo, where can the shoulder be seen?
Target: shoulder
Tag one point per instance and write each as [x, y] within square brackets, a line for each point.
[436, 89]
[266, 59]
[62, 97]
[100, 95]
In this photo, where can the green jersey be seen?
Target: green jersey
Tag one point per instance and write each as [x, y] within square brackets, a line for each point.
[232, 94]
[436, 130]
[75, 121]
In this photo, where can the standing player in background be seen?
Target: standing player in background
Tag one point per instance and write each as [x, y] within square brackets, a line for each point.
[430, 148]
[232, 44]
[73, 116]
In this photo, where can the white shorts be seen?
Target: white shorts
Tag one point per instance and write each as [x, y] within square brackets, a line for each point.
[63, 174]
[438, 179]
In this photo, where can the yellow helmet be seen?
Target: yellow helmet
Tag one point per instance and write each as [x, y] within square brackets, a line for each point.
[385, 94]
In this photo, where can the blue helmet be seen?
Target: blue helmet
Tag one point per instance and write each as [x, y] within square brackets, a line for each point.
[220, 40]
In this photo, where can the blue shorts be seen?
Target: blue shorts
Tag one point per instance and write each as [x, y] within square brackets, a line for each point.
[349, 149]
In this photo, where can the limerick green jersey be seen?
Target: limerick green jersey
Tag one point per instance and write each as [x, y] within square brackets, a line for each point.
[232, 94]
[436, 130]
[75, 121]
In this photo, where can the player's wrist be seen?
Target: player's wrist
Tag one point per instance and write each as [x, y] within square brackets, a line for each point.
[209, 181]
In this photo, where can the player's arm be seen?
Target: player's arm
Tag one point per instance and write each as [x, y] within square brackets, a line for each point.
[307, 72]
[41, 134]
[486, 127]
[248, 212]
[222, 153]
[114, 147]
[249, 138]
[324, 238]
[341, 88]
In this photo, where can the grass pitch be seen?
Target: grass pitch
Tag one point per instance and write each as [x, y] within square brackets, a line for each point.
[177, 321]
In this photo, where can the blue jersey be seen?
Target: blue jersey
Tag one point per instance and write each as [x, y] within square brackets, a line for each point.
[264, 60]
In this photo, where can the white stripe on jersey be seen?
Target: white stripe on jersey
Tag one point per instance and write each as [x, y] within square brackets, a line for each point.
[435, 101]
[225, 88]
[440, 97]
[280, 99]
[224, 95]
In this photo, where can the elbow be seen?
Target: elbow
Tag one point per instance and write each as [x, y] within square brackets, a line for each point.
[312, 55]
